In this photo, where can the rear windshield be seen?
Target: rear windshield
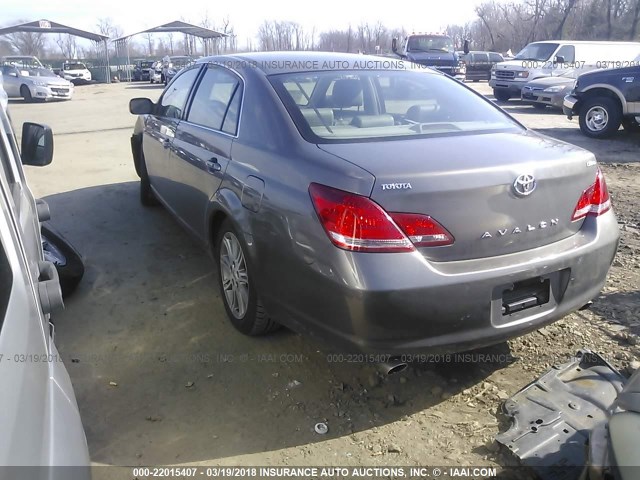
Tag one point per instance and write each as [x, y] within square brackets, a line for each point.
[344, 105]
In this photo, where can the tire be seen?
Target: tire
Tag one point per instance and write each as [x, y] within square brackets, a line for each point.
[476, 81]
[234, 271]
[539, 106]
[64, 256]
[147, 197]
[600, 117]
[501, 95]
[630, 125]
[26, 94]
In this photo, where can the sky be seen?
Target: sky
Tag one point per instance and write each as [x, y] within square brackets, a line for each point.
[246, 17]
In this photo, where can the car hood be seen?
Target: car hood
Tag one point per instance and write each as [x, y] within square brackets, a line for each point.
[551, 81]
[51, 81]
[596, 76]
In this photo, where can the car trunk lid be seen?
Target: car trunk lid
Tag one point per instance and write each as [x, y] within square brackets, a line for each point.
[467, 184]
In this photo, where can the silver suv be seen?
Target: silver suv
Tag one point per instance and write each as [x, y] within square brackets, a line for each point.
[40, 421]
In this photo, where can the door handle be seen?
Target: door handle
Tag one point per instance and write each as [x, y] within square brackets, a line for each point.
[213, 166]
[166, 143]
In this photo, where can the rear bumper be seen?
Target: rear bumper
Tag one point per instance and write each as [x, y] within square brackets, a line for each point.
[399, 304]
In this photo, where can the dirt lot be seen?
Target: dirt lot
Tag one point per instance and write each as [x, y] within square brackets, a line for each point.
[190, 390]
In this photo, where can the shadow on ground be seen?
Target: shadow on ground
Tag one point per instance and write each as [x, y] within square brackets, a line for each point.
[160, 375]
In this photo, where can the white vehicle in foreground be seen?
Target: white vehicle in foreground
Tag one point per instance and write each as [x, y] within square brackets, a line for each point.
[34, 84]
[75, 72]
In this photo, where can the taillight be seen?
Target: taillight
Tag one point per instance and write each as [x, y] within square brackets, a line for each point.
[357, 223]
[422, 230]
[594, 200]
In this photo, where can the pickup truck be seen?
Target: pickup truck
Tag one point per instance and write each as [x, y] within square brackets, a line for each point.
[605, 99]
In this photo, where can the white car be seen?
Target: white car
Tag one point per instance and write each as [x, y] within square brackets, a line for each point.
[34, 84]
[75, 72]
[41, 431]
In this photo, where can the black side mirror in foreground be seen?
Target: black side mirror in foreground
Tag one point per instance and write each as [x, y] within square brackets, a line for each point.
[466, 46]
[394, 45]
[37, 144]
[141, 106]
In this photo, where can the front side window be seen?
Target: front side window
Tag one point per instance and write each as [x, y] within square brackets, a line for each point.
[175, 96]
[383, 104]
[216, 102]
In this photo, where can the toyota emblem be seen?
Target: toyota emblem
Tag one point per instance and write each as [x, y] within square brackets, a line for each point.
[524, 185]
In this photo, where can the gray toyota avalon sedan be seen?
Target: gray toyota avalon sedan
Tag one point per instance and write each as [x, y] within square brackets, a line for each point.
[371, 202]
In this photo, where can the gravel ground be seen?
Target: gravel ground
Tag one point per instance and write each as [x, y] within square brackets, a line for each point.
[162, 378]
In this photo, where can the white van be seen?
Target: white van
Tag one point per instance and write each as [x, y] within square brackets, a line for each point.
[553, 57]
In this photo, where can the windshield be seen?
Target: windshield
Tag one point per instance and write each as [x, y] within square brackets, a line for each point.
[37, 72]
[23, 61]
[429, 43]
[74, 66]
[380, 104]
[537, 51]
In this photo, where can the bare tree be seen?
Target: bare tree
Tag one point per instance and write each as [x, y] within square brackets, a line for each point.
[27, 43]
[67, 45]
[149, 39]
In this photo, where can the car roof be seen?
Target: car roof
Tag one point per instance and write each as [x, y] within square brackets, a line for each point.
[271, 63]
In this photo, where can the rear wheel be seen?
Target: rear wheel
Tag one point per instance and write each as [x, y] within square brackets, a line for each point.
[501, 95]
[600, 117]
[237, 287]
[26, 93]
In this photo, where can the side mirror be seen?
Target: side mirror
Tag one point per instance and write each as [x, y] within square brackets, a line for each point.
[394, 45]
[141, 106]
[559, 59]
[466, 47]
[37, 144]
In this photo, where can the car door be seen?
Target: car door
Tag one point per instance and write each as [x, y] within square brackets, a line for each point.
[160, 128]
[11, 80]
[202, 146]
[22, 200]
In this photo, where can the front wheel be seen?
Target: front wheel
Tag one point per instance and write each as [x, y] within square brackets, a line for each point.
[600, 117]
[237, 286]
[64, 256]
[501, 95]
[26, 94]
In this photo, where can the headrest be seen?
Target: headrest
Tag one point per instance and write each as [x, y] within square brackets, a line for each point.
[312, 118]
[366, 121]
[421, 113]
[347, 92]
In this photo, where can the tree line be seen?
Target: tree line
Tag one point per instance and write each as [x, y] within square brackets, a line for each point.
[499, 26]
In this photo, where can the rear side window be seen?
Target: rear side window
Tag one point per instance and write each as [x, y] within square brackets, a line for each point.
[175, 97]
[216, 103]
